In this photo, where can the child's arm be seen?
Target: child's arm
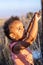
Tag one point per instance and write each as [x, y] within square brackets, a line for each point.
[33, 29]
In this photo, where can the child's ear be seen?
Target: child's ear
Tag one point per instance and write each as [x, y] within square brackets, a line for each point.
[12, 36]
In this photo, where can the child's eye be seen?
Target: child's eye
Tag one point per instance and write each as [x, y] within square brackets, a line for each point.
[18, 28]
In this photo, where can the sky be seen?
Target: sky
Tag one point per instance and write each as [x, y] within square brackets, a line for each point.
[18, 7]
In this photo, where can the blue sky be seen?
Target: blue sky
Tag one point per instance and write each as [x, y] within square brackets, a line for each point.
[18, 7]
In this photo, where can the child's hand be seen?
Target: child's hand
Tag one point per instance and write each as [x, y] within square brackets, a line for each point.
[37, 16]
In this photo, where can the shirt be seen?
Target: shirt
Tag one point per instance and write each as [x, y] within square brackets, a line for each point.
[24, 57]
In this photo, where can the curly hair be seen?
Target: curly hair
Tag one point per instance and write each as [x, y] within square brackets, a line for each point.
[7, 23]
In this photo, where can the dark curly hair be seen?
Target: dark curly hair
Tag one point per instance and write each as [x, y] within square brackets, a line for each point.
[7, 23]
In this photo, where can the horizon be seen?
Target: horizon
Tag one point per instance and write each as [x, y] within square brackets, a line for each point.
[17, 8]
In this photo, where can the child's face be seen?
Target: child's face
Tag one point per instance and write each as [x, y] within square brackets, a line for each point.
[16, 30]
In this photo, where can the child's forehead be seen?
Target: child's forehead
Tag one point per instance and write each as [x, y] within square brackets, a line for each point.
[17, 22]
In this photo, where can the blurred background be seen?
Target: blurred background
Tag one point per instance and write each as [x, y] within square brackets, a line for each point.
[25, 10]
[21, 8]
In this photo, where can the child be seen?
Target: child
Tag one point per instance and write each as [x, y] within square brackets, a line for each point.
[15, 31]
